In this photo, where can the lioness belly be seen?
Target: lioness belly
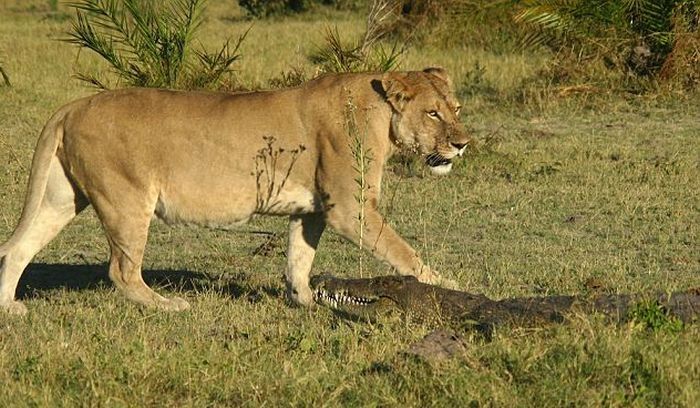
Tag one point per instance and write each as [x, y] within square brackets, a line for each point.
[292, 199]
[198, 210]
[234, 208]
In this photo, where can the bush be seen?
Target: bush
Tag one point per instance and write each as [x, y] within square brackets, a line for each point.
[681, 66]
[631, 38]
[336, 56]
[482, 23]
[366, 54]
[596, 45]
[150, 44]
[289, 78]
[266, 8]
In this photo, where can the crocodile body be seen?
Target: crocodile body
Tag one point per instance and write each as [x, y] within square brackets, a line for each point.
[436, 306]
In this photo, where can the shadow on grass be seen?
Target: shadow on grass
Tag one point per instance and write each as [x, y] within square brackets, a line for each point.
[40, 278]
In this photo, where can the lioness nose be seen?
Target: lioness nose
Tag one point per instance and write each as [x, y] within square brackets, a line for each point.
[458, 146]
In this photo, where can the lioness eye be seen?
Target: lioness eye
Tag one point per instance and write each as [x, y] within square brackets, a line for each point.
[433, 114]
[457, 110]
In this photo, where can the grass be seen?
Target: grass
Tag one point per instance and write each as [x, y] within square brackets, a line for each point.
[600, 187]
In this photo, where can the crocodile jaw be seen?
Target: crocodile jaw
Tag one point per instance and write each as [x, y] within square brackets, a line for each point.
[341, 299]
[338, 295]
[361, 298]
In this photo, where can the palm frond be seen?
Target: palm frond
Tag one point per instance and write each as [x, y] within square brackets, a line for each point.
[547, 22]
[148, 43]
[85, 36]
[108, 18]
[212, 66]
[367, 54]
[91, 80]
[335, 56]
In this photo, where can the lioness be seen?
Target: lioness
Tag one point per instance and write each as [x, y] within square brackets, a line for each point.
[219, 158]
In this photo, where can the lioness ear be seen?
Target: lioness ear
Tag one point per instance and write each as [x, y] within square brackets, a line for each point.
[440, 73]
[396, 90]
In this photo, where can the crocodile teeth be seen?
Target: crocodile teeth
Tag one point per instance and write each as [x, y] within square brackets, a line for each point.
[339, 298]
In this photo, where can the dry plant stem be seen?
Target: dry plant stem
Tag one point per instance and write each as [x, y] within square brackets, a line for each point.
[5, 77]
[266, 164]
[380, 13]
[362, 158]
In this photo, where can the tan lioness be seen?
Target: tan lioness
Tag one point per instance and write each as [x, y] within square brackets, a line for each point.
[218, 158]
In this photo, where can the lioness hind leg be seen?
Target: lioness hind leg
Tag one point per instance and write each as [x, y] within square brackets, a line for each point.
[125, 272]
[60, 204]
[127, 234]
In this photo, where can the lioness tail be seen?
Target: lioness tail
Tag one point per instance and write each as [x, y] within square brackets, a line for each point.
[41, 163]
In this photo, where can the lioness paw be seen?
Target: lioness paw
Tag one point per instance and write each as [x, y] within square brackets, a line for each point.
[14, 307]
[301, 297]
[174, 304]
[446, 283]
[433, 278]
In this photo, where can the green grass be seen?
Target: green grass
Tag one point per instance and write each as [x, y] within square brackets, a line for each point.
[602, 188]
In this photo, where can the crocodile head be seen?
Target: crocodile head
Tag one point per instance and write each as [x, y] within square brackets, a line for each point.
[366, 298]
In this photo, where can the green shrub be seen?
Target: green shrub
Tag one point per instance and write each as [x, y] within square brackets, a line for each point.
[634, 38]
[150, 44]
[336, 56]
[366, 54]
[681, 67]
[292, 77]
[653, 316]
[482, 23]
[266, 8]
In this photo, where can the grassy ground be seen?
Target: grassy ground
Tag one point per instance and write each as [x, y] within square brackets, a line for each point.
[603, 188]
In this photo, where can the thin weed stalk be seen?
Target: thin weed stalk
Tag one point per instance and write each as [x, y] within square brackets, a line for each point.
[269, 183]
[362, 159]
[5, 77]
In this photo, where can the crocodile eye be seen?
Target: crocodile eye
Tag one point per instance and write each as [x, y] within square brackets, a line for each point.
[434, 114]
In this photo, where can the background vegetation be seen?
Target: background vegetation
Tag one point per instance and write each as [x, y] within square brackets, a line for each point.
[150, 44]
[581, 172]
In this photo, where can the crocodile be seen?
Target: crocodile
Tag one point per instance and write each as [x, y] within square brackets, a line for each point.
[368, 298]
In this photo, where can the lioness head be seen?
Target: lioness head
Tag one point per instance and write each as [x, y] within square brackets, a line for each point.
[426, 116]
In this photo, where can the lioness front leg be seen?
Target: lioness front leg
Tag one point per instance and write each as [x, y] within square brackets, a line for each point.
[384, 243]
[304, 234]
